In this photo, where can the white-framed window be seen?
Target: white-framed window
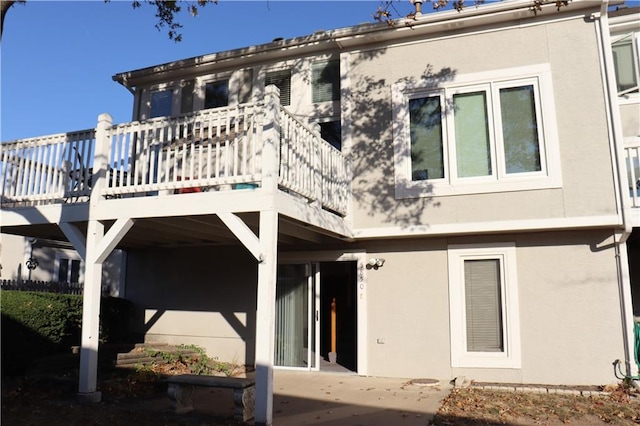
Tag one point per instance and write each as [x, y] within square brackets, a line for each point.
[194, 94]
[161, 101]
[483, 306]
[216, 94]
[325, 81]
[68, 267]
[487, 132]
[626, 61]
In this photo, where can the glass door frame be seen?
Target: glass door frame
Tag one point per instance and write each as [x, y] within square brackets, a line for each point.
[312, 270]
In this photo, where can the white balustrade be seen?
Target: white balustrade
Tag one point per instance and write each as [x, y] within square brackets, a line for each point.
[215, 149]
[48, 168]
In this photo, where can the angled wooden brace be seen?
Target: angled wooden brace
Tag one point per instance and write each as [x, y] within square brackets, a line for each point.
[75, 237]
[111, 239]
[243, 233]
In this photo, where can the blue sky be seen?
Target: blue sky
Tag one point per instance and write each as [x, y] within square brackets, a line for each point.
[56, 72]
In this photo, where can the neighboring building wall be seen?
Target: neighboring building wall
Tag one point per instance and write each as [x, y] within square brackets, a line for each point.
[12, 257]
[17, 249]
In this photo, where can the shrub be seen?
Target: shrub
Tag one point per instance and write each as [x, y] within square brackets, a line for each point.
[39, 324]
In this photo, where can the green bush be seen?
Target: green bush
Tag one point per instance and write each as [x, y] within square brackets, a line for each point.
[115, 319]
[39, 324]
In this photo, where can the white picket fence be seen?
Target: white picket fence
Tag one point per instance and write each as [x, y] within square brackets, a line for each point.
[217, 149]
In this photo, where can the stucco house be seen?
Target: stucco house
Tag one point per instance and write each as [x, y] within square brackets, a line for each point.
[458, 191]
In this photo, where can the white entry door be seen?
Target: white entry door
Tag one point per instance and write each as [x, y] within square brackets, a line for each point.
[297, 316]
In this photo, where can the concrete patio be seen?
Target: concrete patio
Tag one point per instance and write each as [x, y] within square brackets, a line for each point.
[309, 398]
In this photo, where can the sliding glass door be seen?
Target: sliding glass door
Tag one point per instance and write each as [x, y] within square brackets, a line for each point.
[296, 316]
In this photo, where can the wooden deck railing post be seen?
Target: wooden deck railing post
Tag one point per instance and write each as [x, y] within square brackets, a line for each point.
[317, 165]
[101, 156]
[271, 139]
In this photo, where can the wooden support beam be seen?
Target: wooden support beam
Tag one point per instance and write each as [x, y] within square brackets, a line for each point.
[75, 237]
[265, 318]
[244, 234]
[91, 315]
[111, 239]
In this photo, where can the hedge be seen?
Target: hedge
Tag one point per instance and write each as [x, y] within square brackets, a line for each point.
[39, 324]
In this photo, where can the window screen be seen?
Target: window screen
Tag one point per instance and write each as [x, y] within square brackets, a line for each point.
[520, 130]
[483, 305]
[473, 146]
[282, 80]
[427, 158]
[326, 81]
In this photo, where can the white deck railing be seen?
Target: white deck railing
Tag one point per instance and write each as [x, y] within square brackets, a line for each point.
[208, 149]
[48, 168]
[217, 149]
[632, 161]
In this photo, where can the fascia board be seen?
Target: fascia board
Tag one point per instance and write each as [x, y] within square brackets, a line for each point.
[354, 37]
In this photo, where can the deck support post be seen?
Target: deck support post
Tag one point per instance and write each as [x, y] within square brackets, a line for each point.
[268, 267]
[93, 271]
[265, 318]
[91, 315]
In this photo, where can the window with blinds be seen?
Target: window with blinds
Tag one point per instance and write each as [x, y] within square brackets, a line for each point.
[483, 305]
[282, 80]
[325, 81]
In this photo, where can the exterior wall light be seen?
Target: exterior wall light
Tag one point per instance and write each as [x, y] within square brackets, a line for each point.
[375, 263]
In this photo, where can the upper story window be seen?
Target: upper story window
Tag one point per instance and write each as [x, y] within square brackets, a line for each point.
[626, 62]
[185, 96]
[161, 102]
[481, 134]
[331, 131]
[282, 80]
[325, 81]
[216, 94]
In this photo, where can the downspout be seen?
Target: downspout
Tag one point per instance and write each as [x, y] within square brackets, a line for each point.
[617, 144]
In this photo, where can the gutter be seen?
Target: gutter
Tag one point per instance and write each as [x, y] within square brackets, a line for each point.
[617, 145]
[354, 37]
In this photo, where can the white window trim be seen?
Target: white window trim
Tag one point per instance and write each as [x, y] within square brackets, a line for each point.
[633, 93]
[460, 357]
[549, 177]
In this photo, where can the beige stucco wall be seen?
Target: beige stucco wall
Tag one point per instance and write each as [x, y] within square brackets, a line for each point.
[587, 184]
[569, 312]
[203, 296]
[630, 117]
[570, 327]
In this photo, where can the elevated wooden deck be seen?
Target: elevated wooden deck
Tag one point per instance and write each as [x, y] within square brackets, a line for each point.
[176, 175]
